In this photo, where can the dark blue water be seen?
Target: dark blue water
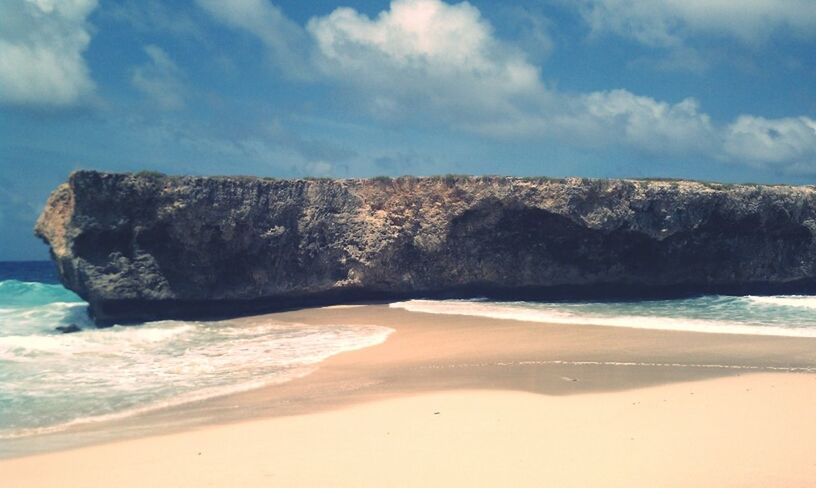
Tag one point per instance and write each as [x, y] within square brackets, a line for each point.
[38, 271]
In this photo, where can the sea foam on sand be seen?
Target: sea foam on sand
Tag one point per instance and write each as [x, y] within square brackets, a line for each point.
[788, 316]
[53, 381]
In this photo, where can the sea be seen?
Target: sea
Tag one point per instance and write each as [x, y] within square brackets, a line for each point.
[51, 381]
[780, 315]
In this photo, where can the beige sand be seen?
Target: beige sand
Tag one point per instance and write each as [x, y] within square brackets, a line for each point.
[755, 430]
[519, 404]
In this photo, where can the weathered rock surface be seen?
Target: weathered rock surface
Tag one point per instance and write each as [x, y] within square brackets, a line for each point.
[140, 247]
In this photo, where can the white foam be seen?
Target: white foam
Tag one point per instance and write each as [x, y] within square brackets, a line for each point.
[108, 374]
[552, 315]
[33, 344]
[42, 318]
[646, 364]
[175, 401]
[801, 301]
[90, 341]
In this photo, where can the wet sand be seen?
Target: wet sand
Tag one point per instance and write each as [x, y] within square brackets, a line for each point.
[521, 390]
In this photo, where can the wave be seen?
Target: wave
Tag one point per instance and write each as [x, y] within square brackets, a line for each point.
[27, 347]
[14, 293]
[38, 308]
[183, 399]
[43, 319]
[54, 382]
[801, 301]
[553, 314]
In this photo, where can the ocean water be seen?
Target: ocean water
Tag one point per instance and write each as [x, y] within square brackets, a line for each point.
[50, 381]
[781, 315]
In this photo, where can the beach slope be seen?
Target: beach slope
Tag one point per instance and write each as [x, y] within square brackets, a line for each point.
[711, 433]
[468, 401]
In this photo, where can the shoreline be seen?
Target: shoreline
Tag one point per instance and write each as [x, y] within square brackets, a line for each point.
[671, 435]
[430, 353]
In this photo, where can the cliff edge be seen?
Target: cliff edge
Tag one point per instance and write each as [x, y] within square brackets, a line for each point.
[148, 246]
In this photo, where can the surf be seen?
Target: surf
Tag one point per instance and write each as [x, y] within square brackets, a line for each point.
[50, 381]
[786, 316]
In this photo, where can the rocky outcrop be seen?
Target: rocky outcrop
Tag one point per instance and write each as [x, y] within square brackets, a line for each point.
[150, 246]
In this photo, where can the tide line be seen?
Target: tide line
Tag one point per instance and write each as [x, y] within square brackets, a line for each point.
[558, 362]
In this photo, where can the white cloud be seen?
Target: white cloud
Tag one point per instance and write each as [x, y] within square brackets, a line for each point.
[533, 32]
[669, 22]
[154, 16]
[789, 143]
[645, 123]
[160, 79]
[427, 61]
[287, 43]
[425, 54]
[41, 46]
[615, 118]
[428, 56]
[432, 59]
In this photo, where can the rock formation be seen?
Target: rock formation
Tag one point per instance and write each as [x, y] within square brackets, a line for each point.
[149, 246]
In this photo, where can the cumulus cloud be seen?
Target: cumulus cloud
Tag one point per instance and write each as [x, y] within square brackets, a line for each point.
[425, 53]
[427, 61]
[159, 79]
[669, 22]
[285, 40]
[41, 46]
[431, 56]
[645, 123]
[789, 143]
[615, 118]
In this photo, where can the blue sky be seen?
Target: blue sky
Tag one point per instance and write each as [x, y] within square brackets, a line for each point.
[704, 89]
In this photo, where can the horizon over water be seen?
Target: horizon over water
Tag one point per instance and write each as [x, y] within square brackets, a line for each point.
[51, 381]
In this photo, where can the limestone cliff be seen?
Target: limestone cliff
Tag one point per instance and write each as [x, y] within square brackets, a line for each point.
[149, 246]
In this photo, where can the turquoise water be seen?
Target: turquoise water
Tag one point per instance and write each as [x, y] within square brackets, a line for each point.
[781, 315]
[50, 381]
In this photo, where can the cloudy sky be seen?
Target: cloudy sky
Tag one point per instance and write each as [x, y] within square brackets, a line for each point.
[705, 89]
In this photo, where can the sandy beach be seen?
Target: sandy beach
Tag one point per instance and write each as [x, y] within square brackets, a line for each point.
[407, 243]
[455, 400]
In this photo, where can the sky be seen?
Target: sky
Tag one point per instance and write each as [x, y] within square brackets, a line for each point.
[703, 89]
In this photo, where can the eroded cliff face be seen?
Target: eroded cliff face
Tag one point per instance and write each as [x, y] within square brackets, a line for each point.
[140, 247]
